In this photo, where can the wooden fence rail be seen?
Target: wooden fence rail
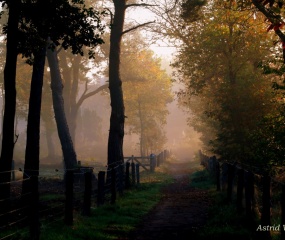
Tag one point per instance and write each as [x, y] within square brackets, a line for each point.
[81, 182]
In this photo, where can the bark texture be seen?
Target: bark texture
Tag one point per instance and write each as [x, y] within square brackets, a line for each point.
[10, 97]
[32, 155]
[117, 119]
[69, 155]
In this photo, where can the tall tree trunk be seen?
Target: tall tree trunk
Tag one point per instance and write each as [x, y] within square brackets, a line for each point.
[10, 97]
[2, 112]
[71, 79]
[69, 154]
[47, 117]
[32, 156]
[66, 78]
[73, 124]
[73, 94]
[117, 119]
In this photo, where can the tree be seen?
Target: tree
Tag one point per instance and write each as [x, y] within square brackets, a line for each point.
[271, 129]
[36, 33]
[146, 95]
[74, 69]
[274, 13]
[32, 154]
[117, 118]
[84, 31]
[225, 89]
[169, 28]
[48, 118]
[11, 30]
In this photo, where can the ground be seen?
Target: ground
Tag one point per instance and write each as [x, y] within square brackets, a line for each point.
[181, 212]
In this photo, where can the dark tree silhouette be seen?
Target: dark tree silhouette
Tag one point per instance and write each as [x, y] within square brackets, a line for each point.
[11, 31]
[69, 154]
[117, 118]
[72, 68]
[50, 28]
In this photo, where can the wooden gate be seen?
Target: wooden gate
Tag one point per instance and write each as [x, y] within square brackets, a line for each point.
[147, 163]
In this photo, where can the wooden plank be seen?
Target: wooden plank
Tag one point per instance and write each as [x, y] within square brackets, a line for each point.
[142, 165]
[130, 158]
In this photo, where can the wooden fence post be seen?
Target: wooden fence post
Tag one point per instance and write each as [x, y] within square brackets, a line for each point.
[283, 212]
[152, 162]
[240, 187]
[121, 179]
[68, 218]
[101, 188]
[127, 180]
[87, 193]
[218, 176]
[133, 158]
[138, 172]
[113, 185]
[249, 192]
[133, 173]
[265, 214]
[34, 209]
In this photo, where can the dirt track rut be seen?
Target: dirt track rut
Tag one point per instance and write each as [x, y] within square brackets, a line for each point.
[181, 212]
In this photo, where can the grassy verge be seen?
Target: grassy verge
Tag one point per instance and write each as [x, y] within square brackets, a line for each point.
[113, 221]
[223, 220]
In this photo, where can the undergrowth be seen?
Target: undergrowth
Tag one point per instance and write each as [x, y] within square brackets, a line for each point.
[223, 220]
[113, 221]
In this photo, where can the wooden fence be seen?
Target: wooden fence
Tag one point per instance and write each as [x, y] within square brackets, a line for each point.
[149, 163]
[56, 199]
[258, 194]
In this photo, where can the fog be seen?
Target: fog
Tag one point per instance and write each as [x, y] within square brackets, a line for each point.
[182, 140]
[92, 132]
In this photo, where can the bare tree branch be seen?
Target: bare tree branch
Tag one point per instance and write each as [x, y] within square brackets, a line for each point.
[174, 5]
[136, 27]
[59, 49]
[140, 5]
[111, 15]
[87, 95]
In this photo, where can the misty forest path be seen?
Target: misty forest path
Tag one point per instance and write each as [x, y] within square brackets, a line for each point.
[180, 213]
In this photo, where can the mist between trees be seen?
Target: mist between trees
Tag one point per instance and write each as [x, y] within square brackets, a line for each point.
[73, 80]
[103, 94]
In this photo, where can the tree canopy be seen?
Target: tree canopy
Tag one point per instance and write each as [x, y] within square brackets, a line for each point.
[225, 89]
[147, 91]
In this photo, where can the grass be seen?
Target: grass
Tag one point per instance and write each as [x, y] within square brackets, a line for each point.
[201, 179]
[223, 221]
[52, 196]
[113, 221]
[118, 220]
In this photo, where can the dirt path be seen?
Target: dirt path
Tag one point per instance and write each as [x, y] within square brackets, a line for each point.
[180, 213]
